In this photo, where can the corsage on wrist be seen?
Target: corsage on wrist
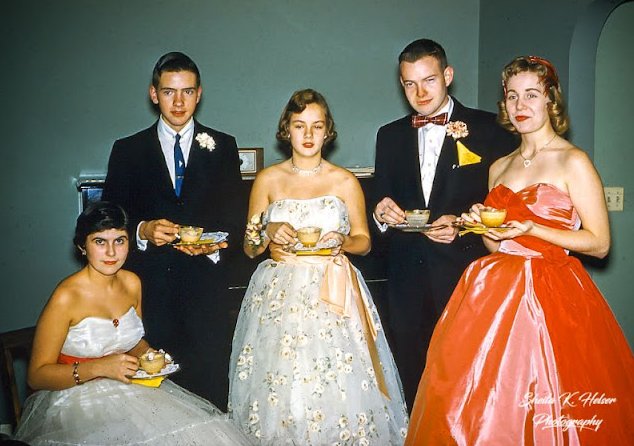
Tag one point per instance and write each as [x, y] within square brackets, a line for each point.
[255, 233]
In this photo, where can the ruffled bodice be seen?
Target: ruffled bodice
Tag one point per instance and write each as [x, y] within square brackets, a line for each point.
[328, 213]
[542, 203]
[94, 337]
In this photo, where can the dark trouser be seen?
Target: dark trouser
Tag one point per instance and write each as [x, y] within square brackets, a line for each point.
[187, 312]
[410, 350]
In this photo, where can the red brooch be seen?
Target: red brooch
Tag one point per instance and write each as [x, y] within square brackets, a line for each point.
[115, 322]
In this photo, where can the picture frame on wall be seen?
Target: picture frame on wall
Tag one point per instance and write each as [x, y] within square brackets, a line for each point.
[251, 160]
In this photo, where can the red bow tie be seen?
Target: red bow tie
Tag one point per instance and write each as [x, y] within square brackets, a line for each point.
[419, 120]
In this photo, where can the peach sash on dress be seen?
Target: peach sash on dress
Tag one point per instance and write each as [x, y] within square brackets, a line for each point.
[340, 290]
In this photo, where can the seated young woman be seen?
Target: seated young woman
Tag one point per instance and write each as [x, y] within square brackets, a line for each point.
[87, 345]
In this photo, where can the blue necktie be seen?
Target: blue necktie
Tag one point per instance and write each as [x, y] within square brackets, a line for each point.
[179, 164]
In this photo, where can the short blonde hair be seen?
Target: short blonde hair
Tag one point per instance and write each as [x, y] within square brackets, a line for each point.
[547, 75]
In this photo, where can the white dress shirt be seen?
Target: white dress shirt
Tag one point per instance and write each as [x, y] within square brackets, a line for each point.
[430, 140]
[167, 139]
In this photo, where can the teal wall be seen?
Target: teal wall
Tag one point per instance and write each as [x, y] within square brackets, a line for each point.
[75, 75]
[514, 28]
[614, 157]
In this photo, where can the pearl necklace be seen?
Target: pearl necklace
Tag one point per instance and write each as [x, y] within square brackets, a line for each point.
[527, 161]
[306, 172]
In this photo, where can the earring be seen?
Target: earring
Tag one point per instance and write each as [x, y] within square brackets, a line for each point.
[83, 252]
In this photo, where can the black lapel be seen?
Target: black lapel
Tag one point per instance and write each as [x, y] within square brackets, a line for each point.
[158, 165]
[412, 158]
[447, 162]
[195, 168]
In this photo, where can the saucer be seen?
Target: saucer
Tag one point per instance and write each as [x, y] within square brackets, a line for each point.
[208, 238]
[405, 227]
[167, 370]
[327, 245]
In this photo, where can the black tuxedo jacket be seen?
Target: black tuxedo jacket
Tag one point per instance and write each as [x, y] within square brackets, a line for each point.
[187, 308]
[138, 180]
[421, 273]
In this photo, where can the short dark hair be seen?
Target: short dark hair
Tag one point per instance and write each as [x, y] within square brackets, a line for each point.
[422, 48]
[297, 104]
[98, 217]
[174, 61]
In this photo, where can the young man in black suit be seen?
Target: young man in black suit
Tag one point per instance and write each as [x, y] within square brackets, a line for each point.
[440, 164]
[179, 172]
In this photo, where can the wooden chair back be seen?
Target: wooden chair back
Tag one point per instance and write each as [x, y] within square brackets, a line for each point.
[15, 344]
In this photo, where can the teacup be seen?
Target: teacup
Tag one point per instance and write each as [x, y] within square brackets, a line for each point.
[152, 362]
[309, 236]
[417, 217]
[190, 234]
[492, 218]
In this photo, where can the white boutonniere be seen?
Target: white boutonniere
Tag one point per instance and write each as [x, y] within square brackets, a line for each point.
[206, 142]
[458, 129]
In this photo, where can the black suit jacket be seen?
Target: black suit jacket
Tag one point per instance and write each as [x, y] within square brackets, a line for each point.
[138, 180]
[421, 273]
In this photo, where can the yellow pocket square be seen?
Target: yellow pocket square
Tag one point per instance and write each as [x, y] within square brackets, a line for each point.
[150, 382]
[466, 156]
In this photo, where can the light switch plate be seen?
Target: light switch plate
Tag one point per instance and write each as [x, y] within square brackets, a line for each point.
[614, 198]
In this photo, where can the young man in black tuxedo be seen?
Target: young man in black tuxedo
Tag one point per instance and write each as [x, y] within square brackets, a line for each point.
[179, 172]
[437, 159]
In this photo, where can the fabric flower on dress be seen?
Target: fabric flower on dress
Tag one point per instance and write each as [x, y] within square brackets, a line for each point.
[206, 142]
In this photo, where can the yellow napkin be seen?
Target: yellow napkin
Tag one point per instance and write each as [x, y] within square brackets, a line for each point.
[150, 382]
[466, 156]
[320, 252]
[479, 229]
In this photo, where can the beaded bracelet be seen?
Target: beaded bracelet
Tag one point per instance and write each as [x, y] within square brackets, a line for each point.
[76, 374]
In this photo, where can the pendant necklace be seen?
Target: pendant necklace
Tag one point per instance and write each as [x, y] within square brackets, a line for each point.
[527, 161]
[314, 170]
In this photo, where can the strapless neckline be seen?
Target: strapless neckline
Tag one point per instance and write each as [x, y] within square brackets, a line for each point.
[534, 185]
[104, 319]
[321, 197]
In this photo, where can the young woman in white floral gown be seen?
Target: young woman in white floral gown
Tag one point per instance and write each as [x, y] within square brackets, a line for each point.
[310, 363]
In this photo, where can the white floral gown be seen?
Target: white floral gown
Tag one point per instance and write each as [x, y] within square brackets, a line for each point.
[300, 373]
[109, 412]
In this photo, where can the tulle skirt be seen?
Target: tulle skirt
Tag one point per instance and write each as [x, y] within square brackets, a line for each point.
[109, 412]
[300, 374]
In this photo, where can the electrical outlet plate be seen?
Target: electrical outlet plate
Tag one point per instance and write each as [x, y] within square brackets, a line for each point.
[614, 198]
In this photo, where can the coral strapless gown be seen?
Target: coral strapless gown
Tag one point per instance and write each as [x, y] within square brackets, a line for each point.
[527, 350]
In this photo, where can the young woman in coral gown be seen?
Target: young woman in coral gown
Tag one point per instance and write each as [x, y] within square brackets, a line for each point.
[310, 364]
[86, 348]
[527, 350]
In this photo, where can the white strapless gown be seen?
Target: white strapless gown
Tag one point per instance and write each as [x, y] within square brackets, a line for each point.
[109, 412]
[300, 374]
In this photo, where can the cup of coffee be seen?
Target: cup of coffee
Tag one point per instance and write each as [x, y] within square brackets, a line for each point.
[190, 234]
[309, 236]
[417, 217]
[152, 362]
[492, 218]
